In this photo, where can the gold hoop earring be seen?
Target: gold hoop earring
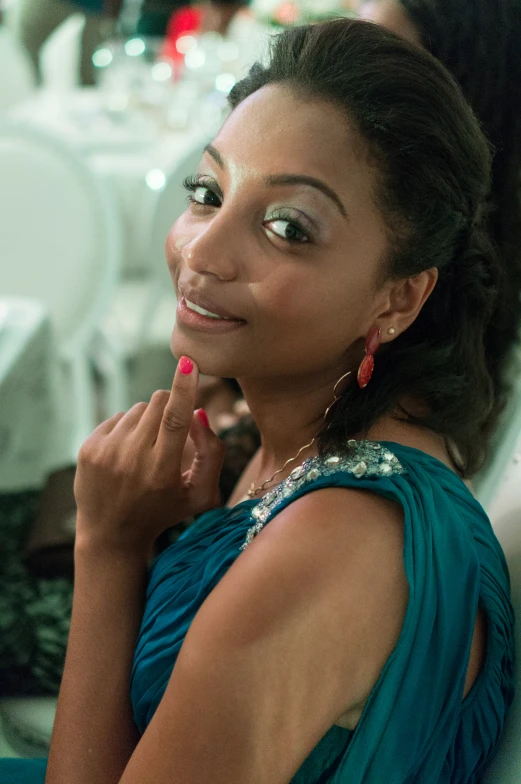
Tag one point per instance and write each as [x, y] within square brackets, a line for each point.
[336, 395]
[252, 492]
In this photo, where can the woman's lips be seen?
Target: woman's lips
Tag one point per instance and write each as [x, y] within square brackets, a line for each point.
[193, 320]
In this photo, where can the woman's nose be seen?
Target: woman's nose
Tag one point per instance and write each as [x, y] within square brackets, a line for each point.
[213, 252]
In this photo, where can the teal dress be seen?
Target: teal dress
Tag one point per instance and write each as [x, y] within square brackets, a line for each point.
[415, 728]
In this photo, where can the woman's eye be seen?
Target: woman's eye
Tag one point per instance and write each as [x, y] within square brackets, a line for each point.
[203, 195]
[287, 230]
[201, 192]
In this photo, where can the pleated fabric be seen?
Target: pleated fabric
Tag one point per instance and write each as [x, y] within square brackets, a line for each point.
[415, 726]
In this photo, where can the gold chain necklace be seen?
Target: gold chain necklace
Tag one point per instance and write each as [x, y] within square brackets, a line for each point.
[252, 492]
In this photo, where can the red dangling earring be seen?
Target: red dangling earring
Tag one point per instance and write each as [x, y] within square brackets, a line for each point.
[372, 344]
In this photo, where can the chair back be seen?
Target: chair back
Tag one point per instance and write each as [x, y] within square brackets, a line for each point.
[505, 514]
[18, 77]
[60, 55]
[490, 479]
[164, 199]
[60, 233]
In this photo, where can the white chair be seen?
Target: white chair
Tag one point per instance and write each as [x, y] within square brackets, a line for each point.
[487, 483]
[60, 55]
[18, 79]
[60, 243]
[505, 513]
[26, 725]
[139, 325]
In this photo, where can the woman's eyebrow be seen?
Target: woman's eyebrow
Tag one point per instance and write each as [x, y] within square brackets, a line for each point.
[288, 179]
[216, 155]
[303, 179]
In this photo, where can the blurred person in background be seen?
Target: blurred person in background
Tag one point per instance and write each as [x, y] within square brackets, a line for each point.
[155, 15]
[479, 42]
[37, 19]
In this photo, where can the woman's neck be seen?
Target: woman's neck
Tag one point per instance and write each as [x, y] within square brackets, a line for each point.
[288, 414]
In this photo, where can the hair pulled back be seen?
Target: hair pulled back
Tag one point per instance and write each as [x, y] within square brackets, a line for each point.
[433, 170]
[479, 41]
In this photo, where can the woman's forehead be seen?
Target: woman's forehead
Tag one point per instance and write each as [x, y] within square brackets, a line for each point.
[277, 131]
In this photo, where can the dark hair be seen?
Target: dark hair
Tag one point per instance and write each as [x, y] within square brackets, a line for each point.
[479, 41]
[433, 164]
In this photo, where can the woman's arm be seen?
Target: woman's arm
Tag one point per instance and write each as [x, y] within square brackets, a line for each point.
[94, 733]
[293, 637]
[130, 486]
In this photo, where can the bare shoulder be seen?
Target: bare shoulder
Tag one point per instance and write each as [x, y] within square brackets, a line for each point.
[333, 557]
[339, 515]
[322, 585]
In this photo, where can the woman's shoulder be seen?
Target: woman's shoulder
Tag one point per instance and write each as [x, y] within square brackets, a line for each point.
[385, 469]
[325, 579]
[335, 526]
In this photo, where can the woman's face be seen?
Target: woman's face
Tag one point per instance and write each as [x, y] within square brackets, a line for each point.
[390, 14]
[282, 238]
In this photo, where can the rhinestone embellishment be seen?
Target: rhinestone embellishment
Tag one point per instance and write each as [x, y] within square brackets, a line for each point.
[368, 459]
[360, 469]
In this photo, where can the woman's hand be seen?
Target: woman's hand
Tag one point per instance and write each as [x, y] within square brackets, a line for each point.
[130, 481]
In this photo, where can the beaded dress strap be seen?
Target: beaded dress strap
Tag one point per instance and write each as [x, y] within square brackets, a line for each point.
[365, 458]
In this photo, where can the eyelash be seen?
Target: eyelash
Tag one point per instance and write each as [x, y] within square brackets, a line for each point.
[191, 184]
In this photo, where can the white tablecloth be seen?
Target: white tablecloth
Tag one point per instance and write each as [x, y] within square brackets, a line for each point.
[32, 417]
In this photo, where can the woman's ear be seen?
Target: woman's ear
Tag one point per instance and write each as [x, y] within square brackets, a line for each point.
[405, 299]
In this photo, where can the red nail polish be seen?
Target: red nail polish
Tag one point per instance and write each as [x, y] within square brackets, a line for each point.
[186, 366]
[203, 416]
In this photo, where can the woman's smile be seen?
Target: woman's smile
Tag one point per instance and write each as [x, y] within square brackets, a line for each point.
[192, 316]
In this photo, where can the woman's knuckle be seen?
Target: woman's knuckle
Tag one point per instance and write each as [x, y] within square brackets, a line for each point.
[83, 454]
[160, 396]
[90, 454]
[88, 447]
[173, 421]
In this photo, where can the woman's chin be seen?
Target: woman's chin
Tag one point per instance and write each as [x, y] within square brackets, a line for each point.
[204, 357]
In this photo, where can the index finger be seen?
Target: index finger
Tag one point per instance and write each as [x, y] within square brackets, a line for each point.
[178, 413]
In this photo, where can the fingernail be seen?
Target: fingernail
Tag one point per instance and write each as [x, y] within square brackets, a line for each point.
[203, 416]
[186, 366]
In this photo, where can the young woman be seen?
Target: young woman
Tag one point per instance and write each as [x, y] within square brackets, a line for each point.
[478, 41]
[346, 617]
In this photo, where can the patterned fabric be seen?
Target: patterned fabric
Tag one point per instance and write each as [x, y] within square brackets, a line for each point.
[34, 613]
[367, 458]
[415, 726]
